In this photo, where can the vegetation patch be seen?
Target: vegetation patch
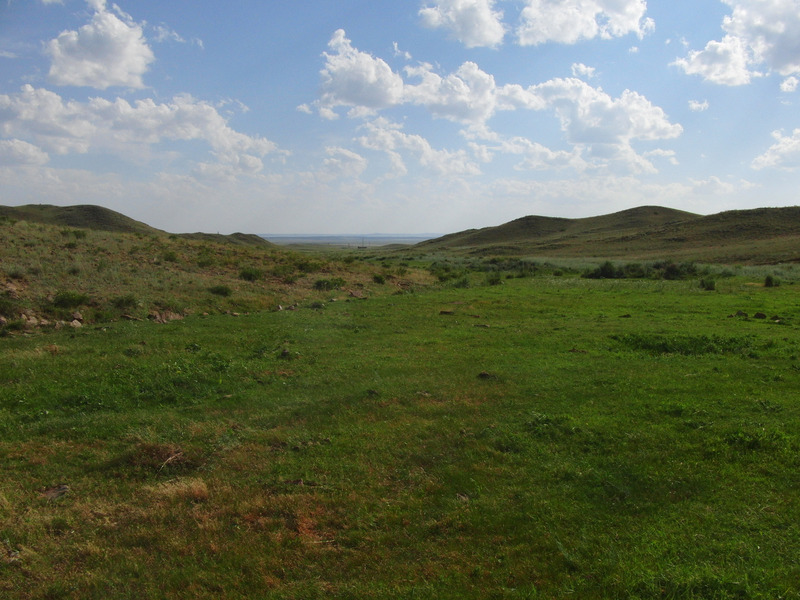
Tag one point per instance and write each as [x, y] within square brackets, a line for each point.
[686, 345]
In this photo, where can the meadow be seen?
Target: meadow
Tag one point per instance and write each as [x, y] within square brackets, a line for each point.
[492, 431]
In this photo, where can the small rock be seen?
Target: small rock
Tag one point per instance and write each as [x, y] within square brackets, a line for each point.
[741, 313]
[76, 324]
[76, 316]
[759, 315]
[3, 322]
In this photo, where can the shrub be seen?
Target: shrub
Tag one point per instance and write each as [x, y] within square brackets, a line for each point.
[220, 290]
[250, 274]
[708, 284]
[323, 285]
[378, 278]
[66, 299]
[169, 256]
[771, 281]
[607, 270]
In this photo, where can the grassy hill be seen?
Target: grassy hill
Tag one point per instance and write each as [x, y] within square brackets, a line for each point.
[83, 216]
[758, 236]
[49, 272]
[98, 218]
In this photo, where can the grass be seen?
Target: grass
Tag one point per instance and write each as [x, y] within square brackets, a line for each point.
[48, 271]
[550, 437]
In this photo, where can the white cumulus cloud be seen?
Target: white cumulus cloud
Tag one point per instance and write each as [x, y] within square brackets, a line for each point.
[354, 78]
[784, 153]
[759, 34]
[569, 21]
[472, 22]
[697, 106]
[109, 51]
[126, 129]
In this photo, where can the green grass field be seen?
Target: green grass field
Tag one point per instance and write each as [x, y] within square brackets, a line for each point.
[546, 437]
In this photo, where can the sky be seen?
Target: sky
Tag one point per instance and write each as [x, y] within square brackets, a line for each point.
[412, 116]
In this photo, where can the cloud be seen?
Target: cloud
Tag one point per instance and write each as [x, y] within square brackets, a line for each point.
[109, 51]
[128, 130]
[603, 127]
[697, 106]
[783, 154]
[384, 136]
[354, 78]
[759, 33]
[581, 70]
[397, 52]
[789, 84]
[468, 95]
[472, 22]
[538, 157]
[725, 62]
[342, 162]
[569, 21]
[18, 152]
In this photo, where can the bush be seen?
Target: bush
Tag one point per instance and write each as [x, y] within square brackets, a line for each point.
[220, 290]
[771, 281]
[708, 284]
[65, 299]
[607, 270]
[250, 274]
[323, 285]
[379, 279]
[169, 256]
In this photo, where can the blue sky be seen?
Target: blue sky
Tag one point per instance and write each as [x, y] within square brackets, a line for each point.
[427, 116]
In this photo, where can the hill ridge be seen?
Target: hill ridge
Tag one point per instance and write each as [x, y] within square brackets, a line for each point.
[760, 235]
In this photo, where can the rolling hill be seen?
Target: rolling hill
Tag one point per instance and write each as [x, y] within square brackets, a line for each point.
[98, 218]
[763, 235]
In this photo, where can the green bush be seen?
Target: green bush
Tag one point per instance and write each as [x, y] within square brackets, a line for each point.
[169, 256]
[66, 299]
[250, 274]
[323, 285]
[708, 284]
[379, 279]
[771, 281]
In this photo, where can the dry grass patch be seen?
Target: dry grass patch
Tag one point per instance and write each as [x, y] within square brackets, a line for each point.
[192, 489]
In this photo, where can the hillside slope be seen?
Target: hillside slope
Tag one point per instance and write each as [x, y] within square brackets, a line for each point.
[763, 235]
[98, 218]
